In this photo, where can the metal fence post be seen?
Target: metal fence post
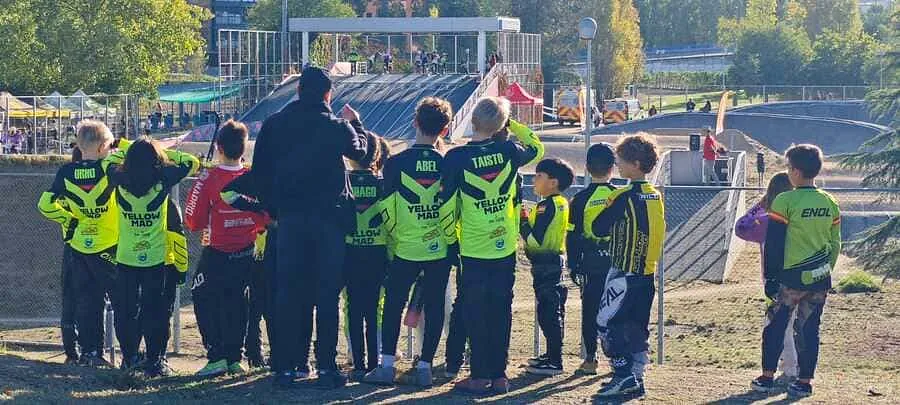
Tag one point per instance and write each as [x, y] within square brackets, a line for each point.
[176, 314]
[109, 322]
[660, 303]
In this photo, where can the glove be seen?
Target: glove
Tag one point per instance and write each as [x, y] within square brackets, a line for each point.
[70, 230]
[771, 288]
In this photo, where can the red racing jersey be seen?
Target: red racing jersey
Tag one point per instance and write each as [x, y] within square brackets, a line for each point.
[230, 230]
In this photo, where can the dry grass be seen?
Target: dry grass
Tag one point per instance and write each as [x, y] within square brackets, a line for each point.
[712, 352]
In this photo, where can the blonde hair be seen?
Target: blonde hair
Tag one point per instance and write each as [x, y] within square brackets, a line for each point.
[490, 115]
[92, 133]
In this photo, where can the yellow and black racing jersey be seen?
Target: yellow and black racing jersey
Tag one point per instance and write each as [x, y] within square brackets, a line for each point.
[143, 236]
[545, 231]
[412, 180]
[803, 238]
[585, 251]
[176, 252]
[82, 200]
[478, 194]
[635, 222]
[368, 191]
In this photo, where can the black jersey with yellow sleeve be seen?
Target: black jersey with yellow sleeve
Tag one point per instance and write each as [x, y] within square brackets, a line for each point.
[82, 200]
[143, 222]
[478, 194]
[586, 252]
[634, 220]
[412, 180]
[368, 191]
[545, 231]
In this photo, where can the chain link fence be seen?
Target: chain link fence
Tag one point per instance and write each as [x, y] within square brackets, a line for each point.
[698, 221]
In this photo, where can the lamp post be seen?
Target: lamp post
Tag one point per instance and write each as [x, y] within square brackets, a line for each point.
[587, 30]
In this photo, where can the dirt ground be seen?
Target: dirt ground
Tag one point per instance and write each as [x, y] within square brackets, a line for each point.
[712, 352]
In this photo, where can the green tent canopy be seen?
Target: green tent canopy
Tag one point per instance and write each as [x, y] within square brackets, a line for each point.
[199, 96]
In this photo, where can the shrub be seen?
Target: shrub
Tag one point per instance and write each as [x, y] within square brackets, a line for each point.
[858, 282]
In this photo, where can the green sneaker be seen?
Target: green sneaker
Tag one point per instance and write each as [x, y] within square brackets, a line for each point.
[236, 368]
[214, 368]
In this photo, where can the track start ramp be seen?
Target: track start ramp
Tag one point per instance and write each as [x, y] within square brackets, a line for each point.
[385, 102]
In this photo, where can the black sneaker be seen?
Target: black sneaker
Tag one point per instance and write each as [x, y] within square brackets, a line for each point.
[284, 380]
[798, 390]
[619, 386]
[546, 367]
[71, 361]
[131, 363]
[763, 384]
[538, 360]
[159, 368]
[94, 360]
[357, 375]
[330, 379]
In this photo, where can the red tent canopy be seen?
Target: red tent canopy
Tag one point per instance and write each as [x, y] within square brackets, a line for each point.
[518, 96]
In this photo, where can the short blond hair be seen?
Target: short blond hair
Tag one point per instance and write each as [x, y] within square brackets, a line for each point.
[490, 115]
[92, 133]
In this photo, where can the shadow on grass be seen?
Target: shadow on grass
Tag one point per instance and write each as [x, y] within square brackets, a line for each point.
[751, 397]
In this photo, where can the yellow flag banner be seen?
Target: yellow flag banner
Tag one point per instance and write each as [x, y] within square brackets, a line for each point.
[723, 105]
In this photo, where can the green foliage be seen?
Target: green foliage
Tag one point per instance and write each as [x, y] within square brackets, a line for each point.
[770, 56]
[666, 23]
[877, 20]
[840, 57]
[266, 14]
[858, 282]
[835, 15]
[111, 46]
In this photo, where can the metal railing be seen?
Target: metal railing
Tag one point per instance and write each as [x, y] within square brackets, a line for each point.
[33, 298]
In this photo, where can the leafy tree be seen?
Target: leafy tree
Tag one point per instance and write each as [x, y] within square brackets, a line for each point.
[666, 23]
[388, 8]
[836, 15]
[618, 56]
[879, 249]
[841, 58]
[266, 14]
[876, 21]
[110, 46]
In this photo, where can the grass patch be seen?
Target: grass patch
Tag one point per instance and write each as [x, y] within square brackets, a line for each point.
[858, 282]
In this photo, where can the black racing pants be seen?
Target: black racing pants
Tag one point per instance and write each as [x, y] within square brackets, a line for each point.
[93, 277]
[624, 318]
[401, 276]
[259, 306]
[220, 302]
[142, 310]
[170, 288]
[551, 303]
[67, 319]
[487, 304]
[364, 271]
[457, 335]
[809, 305]
[591, 291]
[308, 275]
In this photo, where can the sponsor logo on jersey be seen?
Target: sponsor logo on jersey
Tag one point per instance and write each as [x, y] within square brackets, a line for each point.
[493, 205]
[434, 246]
[424, 211]
[94, 213]
[500, 244]
[142, 220]
[815, 213]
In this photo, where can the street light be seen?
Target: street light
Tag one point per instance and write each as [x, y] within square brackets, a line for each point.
[587, 30]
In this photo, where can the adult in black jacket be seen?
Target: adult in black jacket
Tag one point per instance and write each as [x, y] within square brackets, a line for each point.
[298, 172]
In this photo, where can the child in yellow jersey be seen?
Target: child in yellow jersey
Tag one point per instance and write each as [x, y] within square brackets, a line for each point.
[544, 232]
[82, 200]
[587, 256]
[634, 220]
[144, 181]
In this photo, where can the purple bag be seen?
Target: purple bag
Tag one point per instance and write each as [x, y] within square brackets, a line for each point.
[752, 226]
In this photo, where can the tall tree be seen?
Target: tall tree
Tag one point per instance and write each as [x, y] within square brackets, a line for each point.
[109, 46]
[842, 58]
[266, 14]
[667, 23]
[619, 58]
[836, 15]
[879, 249]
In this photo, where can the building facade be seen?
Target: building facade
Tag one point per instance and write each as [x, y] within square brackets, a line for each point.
[227, 14]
